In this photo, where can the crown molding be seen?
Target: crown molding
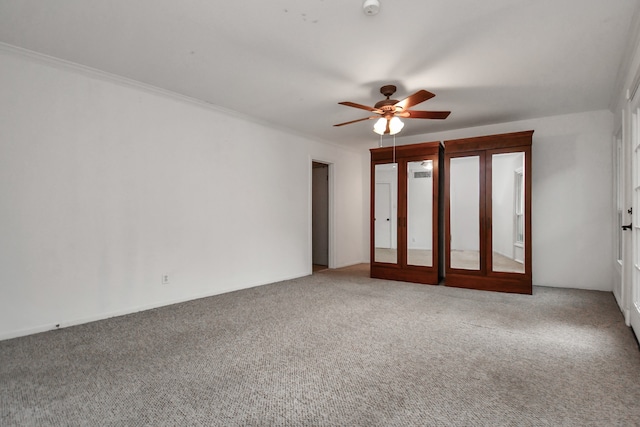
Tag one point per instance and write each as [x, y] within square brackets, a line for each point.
[137, 85]
[110, 77]
[621, 90]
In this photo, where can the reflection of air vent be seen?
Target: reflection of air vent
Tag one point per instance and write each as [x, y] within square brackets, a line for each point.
[422, 174]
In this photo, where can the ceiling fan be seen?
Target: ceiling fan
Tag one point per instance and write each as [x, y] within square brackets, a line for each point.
[389, 110]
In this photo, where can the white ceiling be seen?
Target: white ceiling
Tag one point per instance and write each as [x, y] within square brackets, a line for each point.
[289, 62]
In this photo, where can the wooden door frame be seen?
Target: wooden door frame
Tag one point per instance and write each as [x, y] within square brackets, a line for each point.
[330, 215]
[454, 273]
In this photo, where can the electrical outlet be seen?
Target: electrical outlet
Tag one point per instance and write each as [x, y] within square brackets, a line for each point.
[165, 279]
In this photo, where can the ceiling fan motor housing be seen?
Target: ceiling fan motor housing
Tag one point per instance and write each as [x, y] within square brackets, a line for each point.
[387, 105]
[388, 90]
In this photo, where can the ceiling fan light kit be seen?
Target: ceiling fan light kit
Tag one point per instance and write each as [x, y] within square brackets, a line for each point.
[381, 126]
[395, 126]
[371, 7]
[390, 110]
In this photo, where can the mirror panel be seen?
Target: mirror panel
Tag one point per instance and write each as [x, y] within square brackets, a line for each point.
[507, 210]
[420, 213]
[386, 213]
[464, 209]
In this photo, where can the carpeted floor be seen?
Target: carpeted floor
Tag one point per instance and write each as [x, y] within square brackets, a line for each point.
[335, 349]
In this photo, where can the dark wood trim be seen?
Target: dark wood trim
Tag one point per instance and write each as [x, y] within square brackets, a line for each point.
[488, 283]
[422, 275]
[447, 209]
[485, 227]
[372, 208]
[528, 208]
[489, 142]
[385, 154]
[447, 214]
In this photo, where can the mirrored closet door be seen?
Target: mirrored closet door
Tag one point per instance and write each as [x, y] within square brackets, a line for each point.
[488, 212]
[405, 200]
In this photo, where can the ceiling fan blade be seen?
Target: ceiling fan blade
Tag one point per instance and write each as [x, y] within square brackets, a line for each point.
[362, 107]
[356, 121]
[415, 99]
[409, 114]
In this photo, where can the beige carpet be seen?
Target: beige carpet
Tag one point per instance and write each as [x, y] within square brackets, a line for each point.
[335, 349]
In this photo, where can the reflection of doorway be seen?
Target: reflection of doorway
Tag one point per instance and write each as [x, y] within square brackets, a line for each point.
[320, 216]
[382, 216]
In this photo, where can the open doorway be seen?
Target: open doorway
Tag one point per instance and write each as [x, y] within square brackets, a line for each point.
[320, 216]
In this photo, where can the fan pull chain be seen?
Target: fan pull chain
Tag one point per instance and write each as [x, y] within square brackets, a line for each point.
[394, 150]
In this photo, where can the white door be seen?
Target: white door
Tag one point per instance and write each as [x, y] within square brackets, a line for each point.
[382, 217]
[634, 307]
[620, 184]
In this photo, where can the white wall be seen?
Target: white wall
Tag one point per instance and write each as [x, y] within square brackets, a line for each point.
[106, 186]
[572, 181]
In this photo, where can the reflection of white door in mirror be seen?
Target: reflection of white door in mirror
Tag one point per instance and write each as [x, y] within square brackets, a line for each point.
[507, 207]
[518, 213]
[385, 213]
